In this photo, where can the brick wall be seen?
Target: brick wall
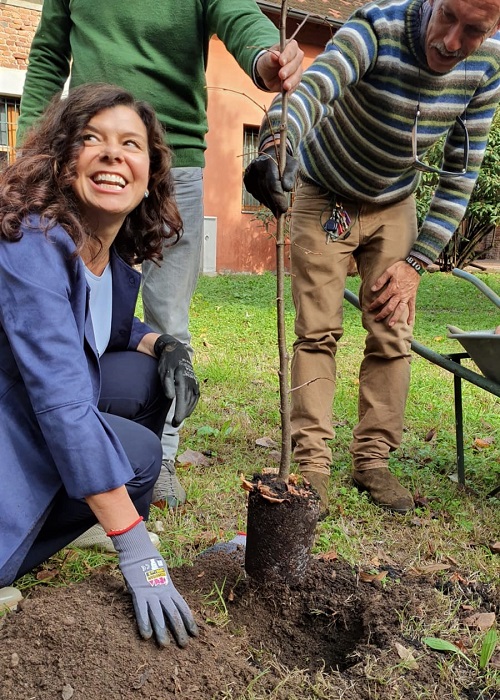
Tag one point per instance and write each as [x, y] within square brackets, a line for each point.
[17, 26]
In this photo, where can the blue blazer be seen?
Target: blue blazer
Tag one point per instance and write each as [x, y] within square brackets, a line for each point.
[52, 435]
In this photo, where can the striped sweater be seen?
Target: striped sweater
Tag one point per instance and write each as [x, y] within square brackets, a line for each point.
[350, 120]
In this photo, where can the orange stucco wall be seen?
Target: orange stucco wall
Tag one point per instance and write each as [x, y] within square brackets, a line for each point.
[242, 245]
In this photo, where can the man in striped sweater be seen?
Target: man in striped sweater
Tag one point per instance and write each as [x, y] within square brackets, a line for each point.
[396, 77]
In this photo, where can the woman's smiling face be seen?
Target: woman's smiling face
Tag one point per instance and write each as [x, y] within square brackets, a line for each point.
[113, 166]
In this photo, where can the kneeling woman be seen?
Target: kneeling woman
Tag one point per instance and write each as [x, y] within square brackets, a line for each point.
[84, 386]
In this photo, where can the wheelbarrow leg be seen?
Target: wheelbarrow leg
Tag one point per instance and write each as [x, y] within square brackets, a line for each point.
[494, 492]
[459, 428]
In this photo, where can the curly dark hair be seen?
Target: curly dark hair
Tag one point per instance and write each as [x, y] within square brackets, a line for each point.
[40, 180]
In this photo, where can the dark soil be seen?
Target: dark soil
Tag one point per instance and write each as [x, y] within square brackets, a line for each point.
[81, 642]
[281, 525]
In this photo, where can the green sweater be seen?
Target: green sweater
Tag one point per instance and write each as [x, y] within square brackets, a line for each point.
[156, 50]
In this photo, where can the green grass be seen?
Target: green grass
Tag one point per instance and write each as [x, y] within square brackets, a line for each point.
[233, 324]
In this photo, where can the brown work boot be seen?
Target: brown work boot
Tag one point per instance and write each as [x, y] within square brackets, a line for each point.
[319, 482]
[384, 489]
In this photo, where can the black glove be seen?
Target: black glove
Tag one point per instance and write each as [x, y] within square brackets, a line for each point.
[177, 376]
[262, 180]
[158, 606]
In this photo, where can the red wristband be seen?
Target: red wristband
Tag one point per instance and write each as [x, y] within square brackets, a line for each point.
[112, 533]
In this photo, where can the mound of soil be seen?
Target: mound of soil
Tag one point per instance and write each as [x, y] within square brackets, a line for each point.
[81, 642]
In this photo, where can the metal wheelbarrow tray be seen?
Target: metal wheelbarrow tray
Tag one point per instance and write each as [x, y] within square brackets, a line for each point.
[482, 346]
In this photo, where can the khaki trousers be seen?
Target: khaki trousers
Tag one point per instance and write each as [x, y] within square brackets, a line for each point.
[380, 236]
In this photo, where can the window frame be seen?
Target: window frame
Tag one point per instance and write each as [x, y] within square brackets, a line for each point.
[9, 116]
[249, 205]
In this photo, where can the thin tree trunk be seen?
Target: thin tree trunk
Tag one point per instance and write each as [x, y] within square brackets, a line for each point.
[284, 469]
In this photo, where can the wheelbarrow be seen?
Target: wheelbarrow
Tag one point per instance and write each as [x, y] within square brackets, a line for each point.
[482, 346]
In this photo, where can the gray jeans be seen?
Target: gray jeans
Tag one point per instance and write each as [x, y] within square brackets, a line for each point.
[168, 289]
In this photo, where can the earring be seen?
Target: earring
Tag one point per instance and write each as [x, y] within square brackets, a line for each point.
[146, 194]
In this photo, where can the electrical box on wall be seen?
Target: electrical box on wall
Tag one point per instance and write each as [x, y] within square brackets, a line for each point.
[209, 251]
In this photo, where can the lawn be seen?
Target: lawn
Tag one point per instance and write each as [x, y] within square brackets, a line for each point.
[450, 543]
[233, 327]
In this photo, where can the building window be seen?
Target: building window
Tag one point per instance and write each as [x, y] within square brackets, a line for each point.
[9, 114]
[250, 151]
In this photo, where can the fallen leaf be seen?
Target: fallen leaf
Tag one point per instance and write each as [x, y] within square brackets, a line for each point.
[272, 499]
[455, 576]
[340, 423]
[406, 655]
[430, 569]
[483, 443]
[245, 484]
[267, 491]
[266, 442]
[452, 560]
[207, 538]
[495, 548]
[368, 578]
[328, 556]
[420, 500]
[431, 434]
[197, 459]
[495, 662]
[482, 621]
[46, 575]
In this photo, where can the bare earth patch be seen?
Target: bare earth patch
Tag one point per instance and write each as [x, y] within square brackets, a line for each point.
[332, 636]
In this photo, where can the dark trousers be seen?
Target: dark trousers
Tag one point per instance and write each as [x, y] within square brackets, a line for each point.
[133, 404]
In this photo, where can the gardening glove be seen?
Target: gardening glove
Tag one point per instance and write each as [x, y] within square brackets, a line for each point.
[262, 180]
[159, 608]
[177, 376]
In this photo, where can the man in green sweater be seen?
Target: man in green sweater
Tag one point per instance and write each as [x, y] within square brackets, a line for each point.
[398, 76]
[158, 51]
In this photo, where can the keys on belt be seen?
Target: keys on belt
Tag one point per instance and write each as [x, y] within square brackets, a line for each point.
[338, 225]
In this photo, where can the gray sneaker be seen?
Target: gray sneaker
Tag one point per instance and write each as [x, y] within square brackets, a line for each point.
[168, 490]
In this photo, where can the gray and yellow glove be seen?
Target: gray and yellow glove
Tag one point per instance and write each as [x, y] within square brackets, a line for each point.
[159, 608]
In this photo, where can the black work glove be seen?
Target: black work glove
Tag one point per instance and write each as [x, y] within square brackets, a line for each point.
[177, 376]
[159, 607]
[262, 180]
